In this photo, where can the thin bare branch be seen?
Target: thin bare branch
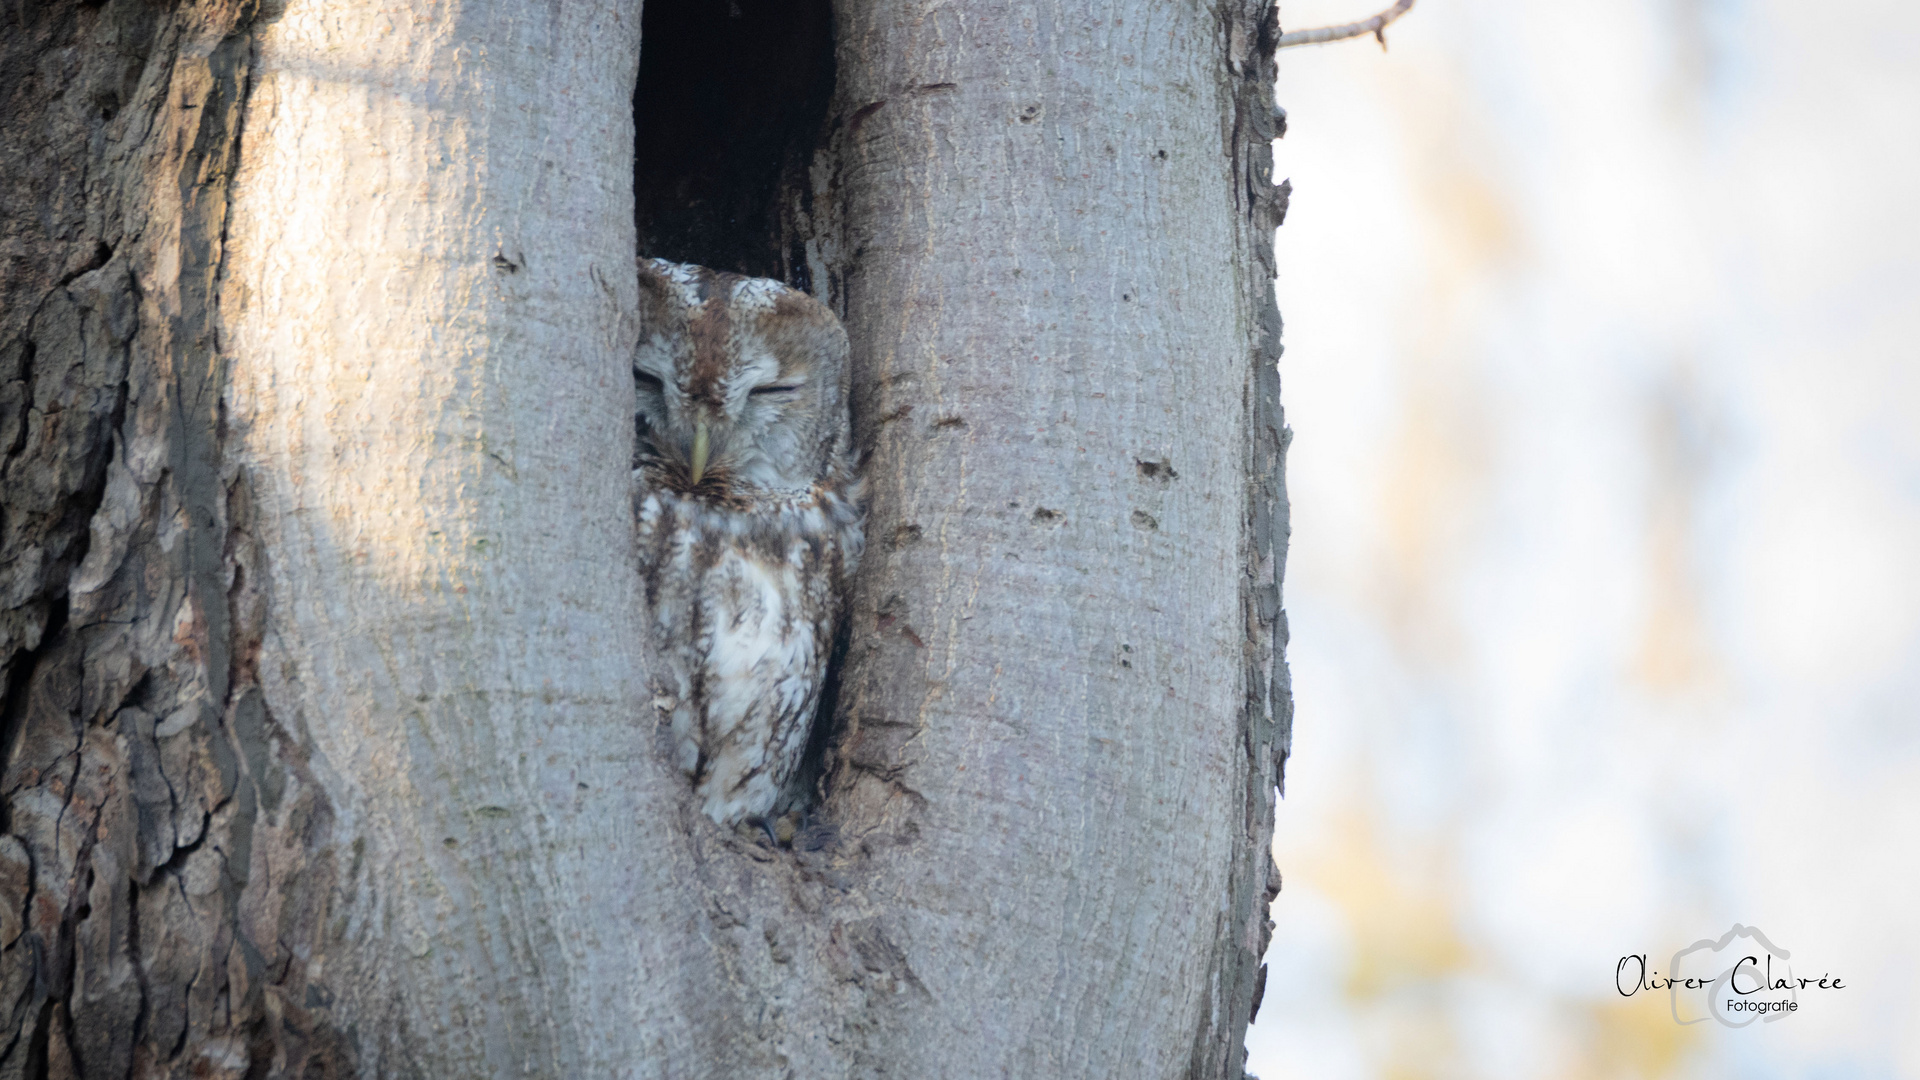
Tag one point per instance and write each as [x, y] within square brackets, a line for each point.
[1376, 26]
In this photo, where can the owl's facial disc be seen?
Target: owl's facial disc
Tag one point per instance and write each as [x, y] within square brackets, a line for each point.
[740, 381]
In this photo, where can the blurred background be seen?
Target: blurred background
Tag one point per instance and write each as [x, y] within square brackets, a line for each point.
[1605, 578]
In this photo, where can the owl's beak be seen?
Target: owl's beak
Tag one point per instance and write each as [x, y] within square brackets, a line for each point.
[701, 445]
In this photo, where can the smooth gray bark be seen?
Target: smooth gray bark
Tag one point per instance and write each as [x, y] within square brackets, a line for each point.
[327, 747]
[1058, 725]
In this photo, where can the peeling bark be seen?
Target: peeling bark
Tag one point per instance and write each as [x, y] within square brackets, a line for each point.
[161, 877]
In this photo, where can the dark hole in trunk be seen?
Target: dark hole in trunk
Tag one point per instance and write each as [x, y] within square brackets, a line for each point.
[731, 99]
[730, 106]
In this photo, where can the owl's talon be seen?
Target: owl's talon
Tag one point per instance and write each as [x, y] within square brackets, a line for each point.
[785, 827]
[753, 827]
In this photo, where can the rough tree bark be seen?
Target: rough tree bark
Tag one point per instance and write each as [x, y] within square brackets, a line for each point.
[328, 748]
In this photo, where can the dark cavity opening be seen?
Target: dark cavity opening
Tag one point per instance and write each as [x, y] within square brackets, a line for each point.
[731, 99]
[730, 106]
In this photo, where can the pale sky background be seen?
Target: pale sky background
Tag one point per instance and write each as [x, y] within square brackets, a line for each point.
[1605, 579]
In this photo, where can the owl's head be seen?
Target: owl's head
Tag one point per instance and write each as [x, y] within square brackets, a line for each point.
[740, 379]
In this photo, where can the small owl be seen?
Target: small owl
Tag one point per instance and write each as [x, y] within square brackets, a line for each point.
[749, 519]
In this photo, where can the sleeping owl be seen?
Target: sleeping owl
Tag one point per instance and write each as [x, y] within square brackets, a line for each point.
[748, 521]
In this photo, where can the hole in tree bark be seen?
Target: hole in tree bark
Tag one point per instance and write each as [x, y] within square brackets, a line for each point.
[730, 105]
[731, 99]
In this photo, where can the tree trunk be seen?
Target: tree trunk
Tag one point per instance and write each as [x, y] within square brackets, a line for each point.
[1057, 747]
[328, 743]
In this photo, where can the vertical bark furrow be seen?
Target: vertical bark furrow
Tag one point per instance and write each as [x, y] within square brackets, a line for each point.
[156, 923]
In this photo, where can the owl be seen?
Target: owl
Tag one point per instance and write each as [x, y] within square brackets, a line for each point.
[748, 522]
